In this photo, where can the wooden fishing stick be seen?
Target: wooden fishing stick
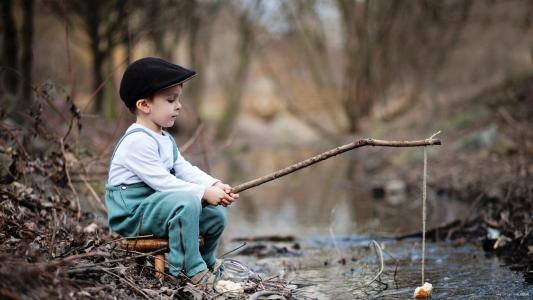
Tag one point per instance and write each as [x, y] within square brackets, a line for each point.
[330, 153]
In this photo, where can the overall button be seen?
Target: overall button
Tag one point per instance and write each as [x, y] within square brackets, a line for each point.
[123, 187]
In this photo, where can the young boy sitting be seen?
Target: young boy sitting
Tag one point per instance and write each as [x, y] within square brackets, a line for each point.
[151, 188]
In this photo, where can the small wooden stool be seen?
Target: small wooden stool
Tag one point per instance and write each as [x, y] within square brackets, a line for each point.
[150, 244]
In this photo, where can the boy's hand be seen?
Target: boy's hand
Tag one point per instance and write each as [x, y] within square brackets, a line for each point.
[227, 188]
[215, 196]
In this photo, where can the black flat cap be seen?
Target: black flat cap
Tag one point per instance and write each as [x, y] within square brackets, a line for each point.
[148, 75]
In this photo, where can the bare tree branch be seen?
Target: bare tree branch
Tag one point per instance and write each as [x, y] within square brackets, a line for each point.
[331, 153]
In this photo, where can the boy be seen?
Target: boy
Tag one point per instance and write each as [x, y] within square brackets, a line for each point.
[151, 188]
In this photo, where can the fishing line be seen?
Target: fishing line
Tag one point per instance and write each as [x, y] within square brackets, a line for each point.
[424, 212]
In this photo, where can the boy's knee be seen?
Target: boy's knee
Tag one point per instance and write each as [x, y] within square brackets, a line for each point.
[189, 203]
[186, 202]
[221, 217]
[213, 221]
[192, 206]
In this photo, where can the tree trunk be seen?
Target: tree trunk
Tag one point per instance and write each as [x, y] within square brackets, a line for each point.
[358, 74]
[201, 22]
[349, 22]
[313, 50]
[10, 47]
[110, 107]
[27, 54]
[196, 85]
[93, 23]
[235, 87]
[153, 11]
[98, 78]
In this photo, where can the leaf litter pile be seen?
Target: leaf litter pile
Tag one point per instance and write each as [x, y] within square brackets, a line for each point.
[49, 248]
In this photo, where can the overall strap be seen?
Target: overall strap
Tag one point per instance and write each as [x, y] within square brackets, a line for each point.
[174, 148]
[174, 152]
[133, 131]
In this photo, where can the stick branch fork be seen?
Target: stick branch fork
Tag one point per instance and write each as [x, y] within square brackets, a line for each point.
[330, 153]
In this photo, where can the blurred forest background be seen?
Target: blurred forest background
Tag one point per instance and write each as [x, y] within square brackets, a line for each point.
[280, 81]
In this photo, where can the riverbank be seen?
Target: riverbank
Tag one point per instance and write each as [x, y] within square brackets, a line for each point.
[486, 162]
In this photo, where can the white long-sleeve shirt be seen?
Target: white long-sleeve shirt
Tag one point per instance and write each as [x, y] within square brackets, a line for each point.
[139, 159]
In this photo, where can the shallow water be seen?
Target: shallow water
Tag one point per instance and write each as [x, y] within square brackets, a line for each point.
[330, 208]
[337, 262]
[341, 268]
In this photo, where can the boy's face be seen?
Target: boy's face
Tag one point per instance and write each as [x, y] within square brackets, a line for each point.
[165, 106]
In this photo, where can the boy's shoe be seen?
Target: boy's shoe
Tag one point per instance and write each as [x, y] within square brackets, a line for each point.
[203, 277]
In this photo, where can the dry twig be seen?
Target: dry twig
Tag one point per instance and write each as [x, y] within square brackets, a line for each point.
[193, 139]
[379, 253]
[71, 186]
[128, 282]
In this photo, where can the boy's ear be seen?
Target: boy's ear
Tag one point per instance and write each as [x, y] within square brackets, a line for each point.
[143, 105]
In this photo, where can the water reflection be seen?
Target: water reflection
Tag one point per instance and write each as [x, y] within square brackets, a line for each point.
[333, 195]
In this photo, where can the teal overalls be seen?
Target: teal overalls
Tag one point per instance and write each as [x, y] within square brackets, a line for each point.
[136, 209]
